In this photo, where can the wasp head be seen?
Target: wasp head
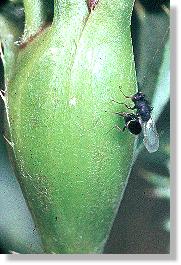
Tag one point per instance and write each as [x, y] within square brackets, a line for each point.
[138, 96]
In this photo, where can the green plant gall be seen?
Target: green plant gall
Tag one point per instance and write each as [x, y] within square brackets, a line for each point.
[71, 161]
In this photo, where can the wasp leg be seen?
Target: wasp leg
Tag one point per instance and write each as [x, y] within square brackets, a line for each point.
[124, 128]
[119, 129]
[116, 101]
[123, 104]
[120, 113]
[128, 107]
[123, 93]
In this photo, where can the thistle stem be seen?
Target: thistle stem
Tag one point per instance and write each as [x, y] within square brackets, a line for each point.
[35, 16]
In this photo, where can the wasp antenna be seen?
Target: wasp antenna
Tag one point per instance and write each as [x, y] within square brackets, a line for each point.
[123, 93]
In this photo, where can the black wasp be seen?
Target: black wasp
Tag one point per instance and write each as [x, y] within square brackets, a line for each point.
[132, 122]
[141, 121]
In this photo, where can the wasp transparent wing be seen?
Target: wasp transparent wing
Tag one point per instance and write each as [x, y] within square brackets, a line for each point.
[151, 137]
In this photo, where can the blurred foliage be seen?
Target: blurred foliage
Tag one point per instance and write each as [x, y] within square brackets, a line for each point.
[13, 11]
[142, 222]
[17, 230]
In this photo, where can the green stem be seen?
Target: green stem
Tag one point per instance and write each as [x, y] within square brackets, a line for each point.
[68, 9]
[35, 17]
